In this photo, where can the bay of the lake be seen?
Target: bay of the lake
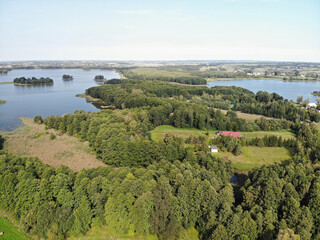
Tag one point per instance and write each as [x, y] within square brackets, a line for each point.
[289, 90]
[58, 99]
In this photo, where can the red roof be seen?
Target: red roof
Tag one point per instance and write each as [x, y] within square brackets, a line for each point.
[231, 134]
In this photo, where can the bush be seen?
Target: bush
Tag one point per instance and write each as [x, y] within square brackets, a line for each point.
[52, 136]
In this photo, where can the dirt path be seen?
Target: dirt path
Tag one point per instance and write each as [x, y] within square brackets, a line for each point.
[33, 140]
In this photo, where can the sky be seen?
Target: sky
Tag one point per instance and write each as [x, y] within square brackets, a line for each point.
[273, 30]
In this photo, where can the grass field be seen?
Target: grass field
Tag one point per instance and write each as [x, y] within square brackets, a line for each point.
[285, 134]
[253, 157]
[158, 72]
[160, 132]
[101, 233]
[9, 232]
[246, 116]
[33, 140]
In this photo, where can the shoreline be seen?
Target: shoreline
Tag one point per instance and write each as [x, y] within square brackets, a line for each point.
[240, 79]
[89, 98]
[2, 83]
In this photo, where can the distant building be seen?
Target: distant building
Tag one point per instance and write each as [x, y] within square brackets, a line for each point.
[213, 148]
[230, 134]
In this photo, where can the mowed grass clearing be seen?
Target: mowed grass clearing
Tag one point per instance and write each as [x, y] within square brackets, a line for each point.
[160, 132]
[33, 140]
[246, 116]
[156, 72]
[9, 232]
[285, 134]
[253, 157]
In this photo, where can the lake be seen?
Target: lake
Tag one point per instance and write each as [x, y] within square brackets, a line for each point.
[289, 90]
[58, 99]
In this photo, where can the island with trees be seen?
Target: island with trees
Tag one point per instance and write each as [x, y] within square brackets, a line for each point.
[67, 77]
[99, 78]
[316, 93]
[33, 81]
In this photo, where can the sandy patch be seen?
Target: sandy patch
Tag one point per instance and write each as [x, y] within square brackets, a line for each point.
[33, 140]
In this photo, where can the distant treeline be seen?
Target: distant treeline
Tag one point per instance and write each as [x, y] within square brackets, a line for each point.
[33, 81]
[193, 80]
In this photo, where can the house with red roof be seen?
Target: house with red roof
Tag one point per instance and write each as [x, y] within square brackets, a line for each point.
[230, 134]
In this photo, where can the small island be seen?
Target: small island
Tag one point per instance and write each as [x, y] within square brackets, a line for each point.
[316, 93]
[33, 81]
[2, 102]
[67, 77]
[99, 78]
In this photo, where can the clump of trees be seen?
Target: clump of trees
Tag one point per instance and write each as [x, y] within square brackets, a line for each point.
[33, 81]
[99, 78]
[67, 77]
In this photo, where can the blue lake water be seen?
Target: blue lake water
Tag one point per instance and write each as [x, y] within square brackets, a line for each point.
[58, 99]
[29, 101]
[289, 90]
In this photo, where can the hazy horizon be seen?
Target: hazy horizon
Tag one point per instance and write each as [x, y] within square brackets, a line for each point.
[176, 30]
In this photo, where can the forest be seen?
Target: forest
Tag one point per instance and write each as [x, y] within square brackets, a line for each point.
[163, 188]
[33, 81]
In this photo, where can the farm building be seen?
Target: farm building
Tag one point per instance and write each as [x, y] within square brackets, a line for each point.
[230, 134]
[213, 148]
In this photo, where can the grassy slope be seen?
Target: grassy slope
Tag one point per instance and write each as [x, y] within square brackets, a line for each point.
[10, 233]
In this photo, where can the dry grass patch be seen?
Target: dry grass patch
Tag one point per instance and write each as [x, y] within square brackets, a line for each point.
[246, 116]
[33, 140]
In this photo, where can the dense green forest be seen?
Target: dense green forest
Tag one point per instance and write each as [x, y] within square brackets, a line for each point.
[33, 81]
[163, 187]
[137, 93]
[193, 80]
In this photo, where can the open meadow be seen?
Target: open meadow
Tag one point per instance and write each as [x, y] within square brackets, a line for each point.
[33, 140]
[251, 157]
[254, 157]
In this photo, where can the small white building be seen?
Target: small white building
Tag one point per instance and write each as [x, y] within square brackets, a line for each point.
[213, 148]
